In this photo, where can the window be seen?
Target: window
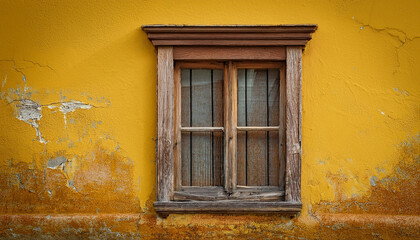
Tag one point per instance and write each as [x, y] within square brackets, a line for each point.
[229, 118]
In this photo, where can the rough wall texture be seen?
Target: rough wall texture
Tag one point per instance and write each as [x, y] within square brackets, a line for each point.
[78, 120]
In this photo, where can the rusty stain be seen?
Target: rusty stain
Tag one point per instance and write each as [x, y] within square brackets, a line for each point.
[103, 181]
[398, 193]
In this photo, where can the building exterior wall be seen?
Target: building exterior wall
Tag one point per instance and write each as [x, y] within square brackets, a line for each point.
[78, 119]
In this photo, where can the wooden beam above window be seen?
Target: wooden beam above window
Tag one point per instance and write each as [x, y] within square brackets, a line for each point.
[232, 35]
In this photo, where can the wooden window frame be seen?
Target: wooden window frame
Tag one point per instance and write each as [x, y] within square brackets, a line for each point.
[256, 45]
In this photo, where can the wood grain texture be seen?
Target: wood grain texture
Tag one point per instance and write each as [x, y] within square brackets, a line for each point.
[228, 206]
[241, 42]
[285, 35]
[230, 36]
[229, 53]
[202, 129]
[200, 65]
[165, 125]
[258, 64]
[227, 123]
[273, 95]
[293, 160]
[177, 126]
[258, 128]
[284, 28]
[282, 127]
[234, 123]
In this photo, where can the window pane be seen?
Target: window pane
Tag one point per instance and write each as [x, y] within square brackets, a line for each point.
[258, 105]
[202, 106]
[202, 159]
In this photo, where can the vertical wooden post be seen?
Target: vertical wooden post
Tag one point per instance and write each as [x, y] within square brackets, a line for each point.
[177, 128]
[282, 127]
[227, 115]
[293, 149]
[233, 122]
[165, 125]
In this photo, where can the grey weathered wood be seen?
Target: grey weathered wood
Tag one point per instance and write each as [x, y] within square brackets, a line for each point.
[264, 196]
[258, 188]
[282, 126]
[202, 129]
[273, 137]
[227, 206]
[258, 128]
[177, 131]
[185, 196]
[229, 53]
[165, 125]
[241, 135]
[227, 123]
[233, 124]
[293, 156]
[195, 193]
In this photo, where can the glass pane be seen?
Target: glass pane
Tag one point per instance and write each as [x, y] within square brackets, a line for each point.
[202, 97]
[258, 105]
[258, 97]
[254, 161]
[202, 106]
[202, 158]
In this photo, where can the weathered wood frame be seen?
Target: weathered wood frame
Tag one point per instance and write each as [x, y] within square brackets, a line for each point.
[227, 43]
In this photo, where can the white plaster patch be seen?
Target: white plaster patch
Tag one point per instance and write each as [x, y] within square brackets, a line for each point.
[72, 106]
[54, 163]
[30, 112]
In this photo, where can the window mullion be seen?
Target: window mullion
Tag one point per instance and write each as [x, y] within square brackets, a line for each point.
[234, 122]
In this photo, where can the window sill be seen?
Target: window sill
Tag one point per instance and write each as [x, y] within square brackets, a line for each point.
[227, 206]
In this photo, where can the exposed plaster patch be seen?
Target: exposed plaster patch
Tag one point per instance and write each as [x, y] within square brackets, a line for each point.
[54, 163]
[373, 181]
[30, 112]
[72, 106]
[4, 81]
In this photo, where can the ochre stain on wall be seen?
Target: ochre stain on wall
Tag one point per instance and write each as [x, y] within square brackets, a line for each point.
[78, 120]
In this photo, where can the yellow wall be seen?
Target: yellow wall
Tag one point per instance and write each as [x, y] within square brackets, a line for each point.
[82, 74]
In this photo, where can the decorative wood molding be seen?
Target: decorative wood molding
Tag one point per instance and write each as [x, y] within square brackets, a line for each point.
[233, 35]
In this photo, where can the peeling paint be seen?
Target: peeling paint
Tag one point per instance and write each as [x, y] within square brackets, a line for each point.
[72, 106]
[30, 112]
[54, 163]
